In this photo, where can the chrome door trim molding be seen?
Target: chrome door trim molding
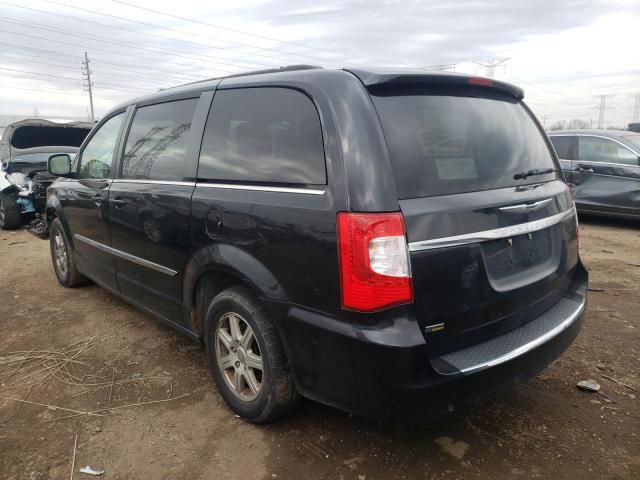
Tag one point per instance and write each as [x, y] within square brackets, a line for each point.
[526, 207]
[126, 256]
[154, 182]
[521, 350]
[261, 188]
[495, 234]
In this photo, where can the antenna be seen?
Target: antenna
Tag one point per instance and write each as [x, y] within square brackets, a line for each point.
[88, 85]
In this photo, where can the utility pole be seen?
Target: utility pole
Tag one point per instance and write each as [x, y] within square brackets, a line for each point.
[491, 65]
[636, 107]
[86, 73]
[602, 107]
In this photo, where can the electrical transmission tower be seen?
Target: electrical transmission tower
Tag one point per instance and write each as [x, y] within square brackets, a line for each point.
[443, 67]
[602, 107]
[491, 65]
[636, 107]
[88, 85]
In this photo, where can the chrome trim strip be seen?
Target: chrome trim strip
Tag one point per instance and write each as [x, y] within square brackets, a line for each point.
[154, 182]
[526, 207]
[126, 256]
[261, 188]
[495, 234]
[521, 350]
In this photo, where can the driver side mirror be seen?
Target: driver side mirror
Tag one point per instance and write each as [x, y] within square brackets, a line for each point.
[59, 165]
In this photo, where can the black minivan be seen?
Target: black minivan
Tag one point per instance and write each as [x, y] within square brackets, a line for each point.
[399, 244]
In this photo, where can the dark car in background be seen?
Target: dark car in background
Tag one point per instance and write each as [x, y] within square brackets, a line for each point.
[396, 244]
[603, 169]
[25, 148]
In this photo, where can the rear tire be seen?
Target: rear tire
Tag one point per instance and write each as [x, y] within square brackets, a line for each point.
[62, 258]
[246, 357]
[10, 214]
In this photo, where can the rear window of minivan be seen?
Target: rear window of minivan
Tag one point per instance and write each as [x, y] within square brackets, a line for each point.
[443, 143]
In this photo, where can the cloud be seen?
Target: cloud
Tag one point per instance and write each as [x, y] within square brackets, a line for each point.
[562, 53]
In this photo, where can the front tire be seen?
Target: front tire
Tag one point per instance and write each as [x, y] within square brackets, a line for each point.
[10, 215]
[62, 257]
[246, 357]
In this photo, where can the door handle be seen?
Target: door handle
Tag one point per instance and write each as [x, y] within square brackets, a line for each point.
[585, 169]
[117, 203]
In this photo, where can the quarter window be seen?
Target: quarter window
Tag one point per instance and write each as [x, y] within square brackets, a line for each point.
[595, 149]
[268, 135]
[156, 142]
[97, 156]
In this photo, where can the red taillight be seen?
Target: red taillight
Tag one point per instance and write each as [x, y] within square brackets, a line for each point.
[484, 82]
[374, 260]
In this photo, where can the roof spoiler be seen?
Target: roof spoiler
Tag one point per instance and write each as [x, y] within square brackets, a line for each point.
[370, 79]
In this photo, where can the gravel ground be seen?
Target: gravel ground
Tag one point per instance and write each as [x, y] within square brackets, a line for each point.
[84, 350]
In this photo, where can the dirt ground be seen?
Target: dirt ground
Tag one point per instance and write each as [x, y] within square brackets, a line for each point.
[84, 350]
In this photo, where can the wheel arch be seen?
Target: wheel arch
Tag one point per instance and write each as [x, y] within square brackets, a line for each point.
[218, 267]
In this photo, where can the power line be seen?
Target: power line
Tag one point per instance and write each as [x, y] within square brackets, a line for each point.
[103, 50]
[263, 37]
[175, 30]
[143, 81]
[206, 58]
[84, 20]
[78, 60]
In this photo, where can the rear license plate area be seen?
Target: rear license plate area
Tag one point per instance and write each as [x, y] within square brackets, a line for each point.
[511, 256]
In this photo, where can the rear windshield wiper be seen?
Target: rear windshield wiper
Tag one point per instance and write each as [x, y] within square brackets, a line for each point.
[532, 172]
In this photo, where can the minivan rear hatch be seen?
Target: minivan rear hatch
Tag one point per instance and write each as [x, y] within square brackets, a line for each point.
[490, 222]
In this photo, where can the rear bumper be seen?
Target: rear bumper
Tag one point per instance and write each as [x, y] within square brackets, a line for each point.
[387, 373]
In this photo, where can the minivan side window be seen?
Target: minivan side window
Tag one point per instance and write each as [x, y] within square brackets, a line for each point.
[97, 155]
[596, 149]
[562, 145]
[155, 145]
[269, 135]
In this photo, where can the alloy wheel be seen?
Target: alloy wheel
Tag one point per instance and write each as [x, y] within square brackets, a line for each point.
[239, 357]
[60, 254]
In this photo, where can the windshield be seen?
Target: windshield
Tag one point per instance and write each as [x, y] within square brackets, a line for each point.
[443, 144]
[31, 162]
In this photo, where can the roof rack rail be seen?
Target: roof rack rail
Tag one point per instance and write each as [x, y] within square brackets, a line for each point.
[287, 68]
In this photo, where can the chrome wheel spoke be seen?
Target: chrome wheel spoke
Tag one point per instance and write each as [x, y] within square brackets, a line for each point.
[237, 380]
[247, 338]
[225, 338]
[234, 327]
[254, 361]
[252, 382]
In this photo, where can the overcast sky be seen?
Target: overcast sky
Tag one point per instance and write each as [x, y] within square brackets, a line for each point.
[561, 53]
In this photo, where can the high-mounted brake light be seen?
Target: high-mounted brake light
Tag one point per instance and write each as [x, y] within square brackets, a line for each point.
[484, 82]
[374, 260]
